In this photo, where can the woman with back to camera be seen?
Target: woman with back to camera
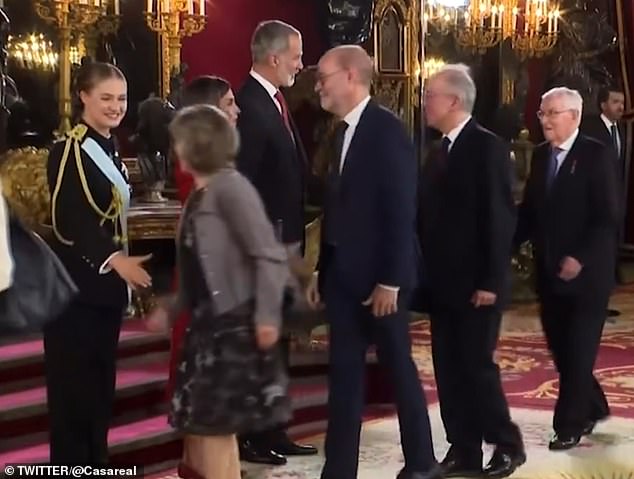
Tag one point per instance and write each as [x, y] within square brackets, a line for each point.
[232, 272]
[202, 90]
[90, 196]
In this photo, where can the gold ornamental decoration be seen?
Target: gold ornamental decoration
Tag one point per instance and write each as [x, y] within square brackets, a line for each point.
[174, 20]
[70, 16]
[532, 26]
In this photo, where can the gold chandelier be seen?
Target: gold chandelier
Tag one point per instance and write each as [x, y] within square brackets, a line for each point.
[71, 16]
[540, 29]
[173, 20]
[532, 25]
[32, 52]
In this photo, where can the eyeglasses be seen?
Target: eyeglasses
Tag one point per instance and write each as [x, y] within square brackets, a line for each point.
[430, 94]
[550, 113]
[321, 77]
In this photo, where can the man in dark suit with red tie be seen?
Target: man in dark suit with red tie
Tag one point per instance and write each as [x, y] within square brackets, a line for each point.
[273, 158]
[570, 215]
[605, 127]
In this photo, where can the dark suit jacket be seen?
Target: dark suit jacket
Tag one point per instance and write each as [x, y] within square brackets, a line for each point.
[268, 157]
[594, 127]
[467, 219]
[577, 218]
[77, 221]
[376, 208]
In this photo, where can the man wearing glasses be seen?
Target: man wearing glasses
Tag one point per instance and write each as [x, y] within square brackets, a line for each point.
[570, 213]
[467, 221]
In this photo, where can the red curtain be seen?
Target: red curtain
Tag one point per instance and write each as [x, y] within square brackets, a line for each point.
[625, 20]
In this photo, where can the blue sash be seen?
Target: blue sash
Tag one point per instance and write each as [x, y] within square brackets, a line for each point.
[110, 171]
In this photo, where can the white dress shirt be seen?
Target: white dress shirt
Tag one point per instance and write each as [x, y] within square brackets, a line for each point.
[453, 134]
[6, 259]
[268, 86]
[565, 147]
[352, 120]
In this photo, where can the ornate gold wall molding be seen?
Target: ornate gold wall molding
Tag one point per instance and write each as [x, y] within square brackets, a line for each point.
[396, 44]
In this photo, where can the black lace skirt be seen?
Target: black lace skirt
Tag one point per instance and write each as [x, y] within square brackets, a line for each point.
[224, 384]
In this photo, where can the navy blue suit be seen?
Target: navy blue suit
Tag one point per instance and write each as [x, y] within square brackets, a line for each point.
[370, 212]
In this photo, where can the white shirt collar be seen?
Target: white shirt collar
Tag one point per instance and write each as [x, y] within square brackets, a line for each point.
[268, 86]
[453, 134]
[353, 117]
[608, 123]
[567, 145]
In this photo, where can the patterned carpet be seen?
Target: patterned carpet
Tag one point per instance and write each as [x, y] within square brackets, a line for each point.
[531, 386]
[530, 380]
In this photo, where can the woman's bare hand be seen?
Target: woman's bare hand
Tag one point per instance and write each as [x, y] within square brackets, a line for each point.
[157, 321]
[130, 270]
[266, 336]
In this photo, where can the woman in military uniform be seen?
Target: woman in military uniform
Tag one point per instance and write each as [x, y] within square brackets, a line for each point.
[90, 196]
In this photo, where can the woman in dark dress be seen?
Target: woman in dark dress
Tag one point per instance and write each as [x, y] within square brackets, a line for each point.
[232, 272]
[90, 197]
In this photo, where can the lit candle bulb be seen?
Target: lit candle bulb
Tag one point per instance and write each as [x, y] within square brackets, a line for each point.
[202, 7]
[116, 7]
[149, 6]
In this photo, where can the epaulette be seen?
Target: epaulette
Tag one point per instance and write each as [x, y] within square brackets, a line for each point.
[78, 133]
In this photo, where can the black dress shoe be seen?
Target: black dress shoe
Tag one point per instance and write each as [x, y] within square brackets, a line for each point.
[503, 464]
[435, 472]
[456, 466]
[255, 455]
[589, 429]
[562, 443]
[289, 448]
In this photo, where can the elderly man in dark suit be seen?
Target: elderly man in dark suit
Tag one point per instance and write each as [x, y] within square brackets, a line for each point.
[467, 219]
[273, 158]
[570, 213]
[366, 269]
[605, 127]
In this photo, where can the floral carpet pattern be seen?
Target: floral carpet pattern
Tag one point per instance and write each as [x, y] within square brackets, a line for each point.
[530, 382]
[606, 454]
[529, 375]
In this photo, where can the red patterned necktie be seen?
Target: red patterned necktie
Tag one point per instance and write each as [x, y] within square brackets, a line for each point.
[280, 98]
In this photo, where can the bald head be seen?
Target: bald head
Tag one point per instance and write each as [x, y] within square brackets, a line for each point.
[354, 59]
[344, 78]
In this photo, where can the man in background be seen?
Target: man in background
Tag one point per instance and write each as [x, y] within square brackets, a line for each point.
[605, 127]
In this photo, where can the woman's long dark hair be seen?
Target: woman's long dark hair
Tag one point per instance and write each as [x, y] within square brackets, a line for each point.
[87, 76]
